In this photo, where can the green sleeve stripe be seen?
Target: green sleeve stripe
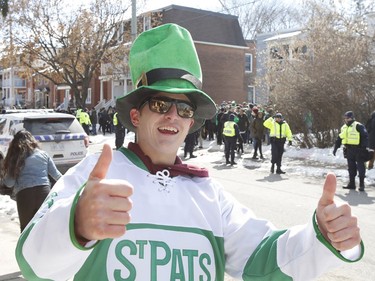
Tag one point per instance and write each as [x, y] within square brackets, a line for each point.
[26, 269]
[133, 158]
[322, 239]
[262, 265]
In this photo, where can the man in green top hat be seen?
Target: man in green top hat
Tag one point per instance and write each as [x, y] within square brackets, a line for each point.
[139, 213]
[166, 61]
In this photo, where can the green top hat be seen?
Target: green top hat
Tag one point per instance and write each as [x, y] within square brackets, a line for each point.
[164, 59]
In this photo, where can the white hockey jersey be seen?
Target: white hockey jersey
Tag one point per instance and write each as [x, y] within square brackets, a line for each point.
[182, 228]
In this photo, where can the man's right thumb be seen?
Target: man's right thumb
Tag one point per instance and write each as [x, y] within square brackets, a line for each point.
[101, 167]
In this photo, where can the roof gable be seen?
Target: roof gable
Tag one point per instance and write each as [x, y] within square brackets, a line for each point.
[205, 25]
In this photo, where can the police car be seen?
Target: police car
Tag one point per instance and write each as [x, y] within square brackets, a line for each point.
[59, 134]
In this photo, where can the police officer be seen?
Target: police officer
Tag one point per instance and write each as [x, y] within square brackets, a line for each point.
[78, 113]
[84, 119]
[354, 137]
[279, 133]
[119, 131]
[231, 133]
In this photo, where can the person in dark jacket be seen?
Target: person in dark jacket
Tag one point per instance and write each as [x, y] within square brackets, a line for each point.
[371, 139]
[257, 130]
[189, 145]
[94, 120]
[104, 121]
[243, 125]
[355, 138]
[219, 126]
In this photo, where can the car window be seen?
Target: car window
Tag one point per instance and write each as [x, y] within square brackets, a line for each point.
[13, 126]
[51, 126]
[2, 125]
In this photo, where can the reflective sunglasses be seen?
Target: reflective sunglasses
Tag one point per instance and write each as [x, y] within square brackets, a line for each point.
[162, 105]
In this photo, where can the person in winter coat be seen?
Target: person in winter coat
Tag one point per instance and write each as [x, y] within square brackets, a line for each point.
[257, 130]
[139, 213]
[104, 121]
[243, 126]
[279, 133]
[94, 120]
[219, 126]
[371, 139]
[27, 169]
[355, 138]
[190, 144]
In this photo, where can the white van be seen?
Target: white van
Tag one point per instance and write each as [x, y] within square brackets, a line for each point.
[59, 134]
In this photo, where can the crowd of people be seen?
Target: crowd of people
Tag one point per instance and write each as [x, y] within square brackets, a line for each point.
[246, 123]
[236, 125]
[104, 121]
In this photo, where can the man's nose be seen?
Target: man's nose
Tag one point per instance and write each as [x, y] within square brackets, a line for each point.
[172, 112]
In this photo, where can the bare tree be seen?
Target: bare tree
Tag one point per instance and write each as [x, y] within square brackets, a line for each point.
[257, 16]
[324, 73]
[67, 45]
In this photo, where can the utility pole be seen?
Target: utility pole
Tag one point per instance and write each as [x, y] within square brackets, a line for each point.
[134, 20]
[12, 95]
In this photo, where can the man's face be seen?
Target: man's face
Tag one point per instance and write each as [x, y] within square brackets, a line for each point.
[347, 120]
[161, 134]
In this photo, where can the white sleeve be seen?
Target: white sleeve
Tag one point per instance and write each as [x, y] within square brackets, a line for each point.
[46, 249]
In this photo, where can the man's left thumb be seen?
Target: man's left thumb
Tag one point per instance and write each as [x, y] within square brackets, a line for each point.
[329, 190]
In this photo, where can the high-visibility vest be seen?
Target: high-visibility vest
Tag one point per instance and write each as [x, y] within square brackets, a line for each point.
[228, 129]
[84, 118]
[78, 113]
[115, 120]
[277, 130]
[349, 134]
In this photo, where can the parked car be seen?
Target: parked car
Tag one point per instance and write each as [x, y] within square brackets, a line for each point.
[59, 134]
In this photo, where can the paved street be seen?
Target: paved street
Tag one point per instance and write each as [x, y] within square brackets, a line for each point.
[9, 232]
[285, 200]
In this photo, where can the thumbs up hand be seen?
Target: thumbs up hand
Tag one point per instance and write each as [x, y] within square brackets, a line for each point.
[336, 221]
[103, 208]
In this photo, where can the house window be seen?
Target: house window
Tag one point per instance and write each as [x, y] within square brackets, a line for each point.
[146, 23]
[88, 99]
[251, 94]
[248, 62]
[67, 94]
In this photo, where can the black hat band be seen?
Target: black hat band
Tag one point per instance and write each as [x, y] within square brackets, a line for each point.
[157, 74]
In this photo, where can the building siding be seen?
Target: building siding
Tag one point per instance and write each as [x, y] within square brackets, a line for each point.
[223, 72]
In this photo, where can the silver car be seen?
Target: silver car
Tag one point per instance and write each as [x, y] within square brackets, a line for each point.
[59, 134]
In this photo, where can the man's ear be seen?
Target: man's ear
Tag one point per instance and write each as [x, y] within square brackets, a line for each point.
[134, 116]
[191, 123]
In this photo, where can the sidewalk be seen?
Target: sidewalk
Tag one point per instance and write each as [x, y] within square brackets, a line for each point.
[9, 233]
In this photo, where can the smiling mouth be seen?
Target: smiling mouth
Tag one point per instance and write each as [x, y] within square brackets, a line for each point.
[168, 130]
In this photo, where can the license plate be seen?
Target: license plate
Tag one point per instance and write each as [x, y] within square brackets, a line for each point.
[57, 146]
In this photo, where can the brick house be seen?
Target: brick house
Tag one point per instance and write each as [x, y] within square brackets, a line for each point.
[220, 46]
